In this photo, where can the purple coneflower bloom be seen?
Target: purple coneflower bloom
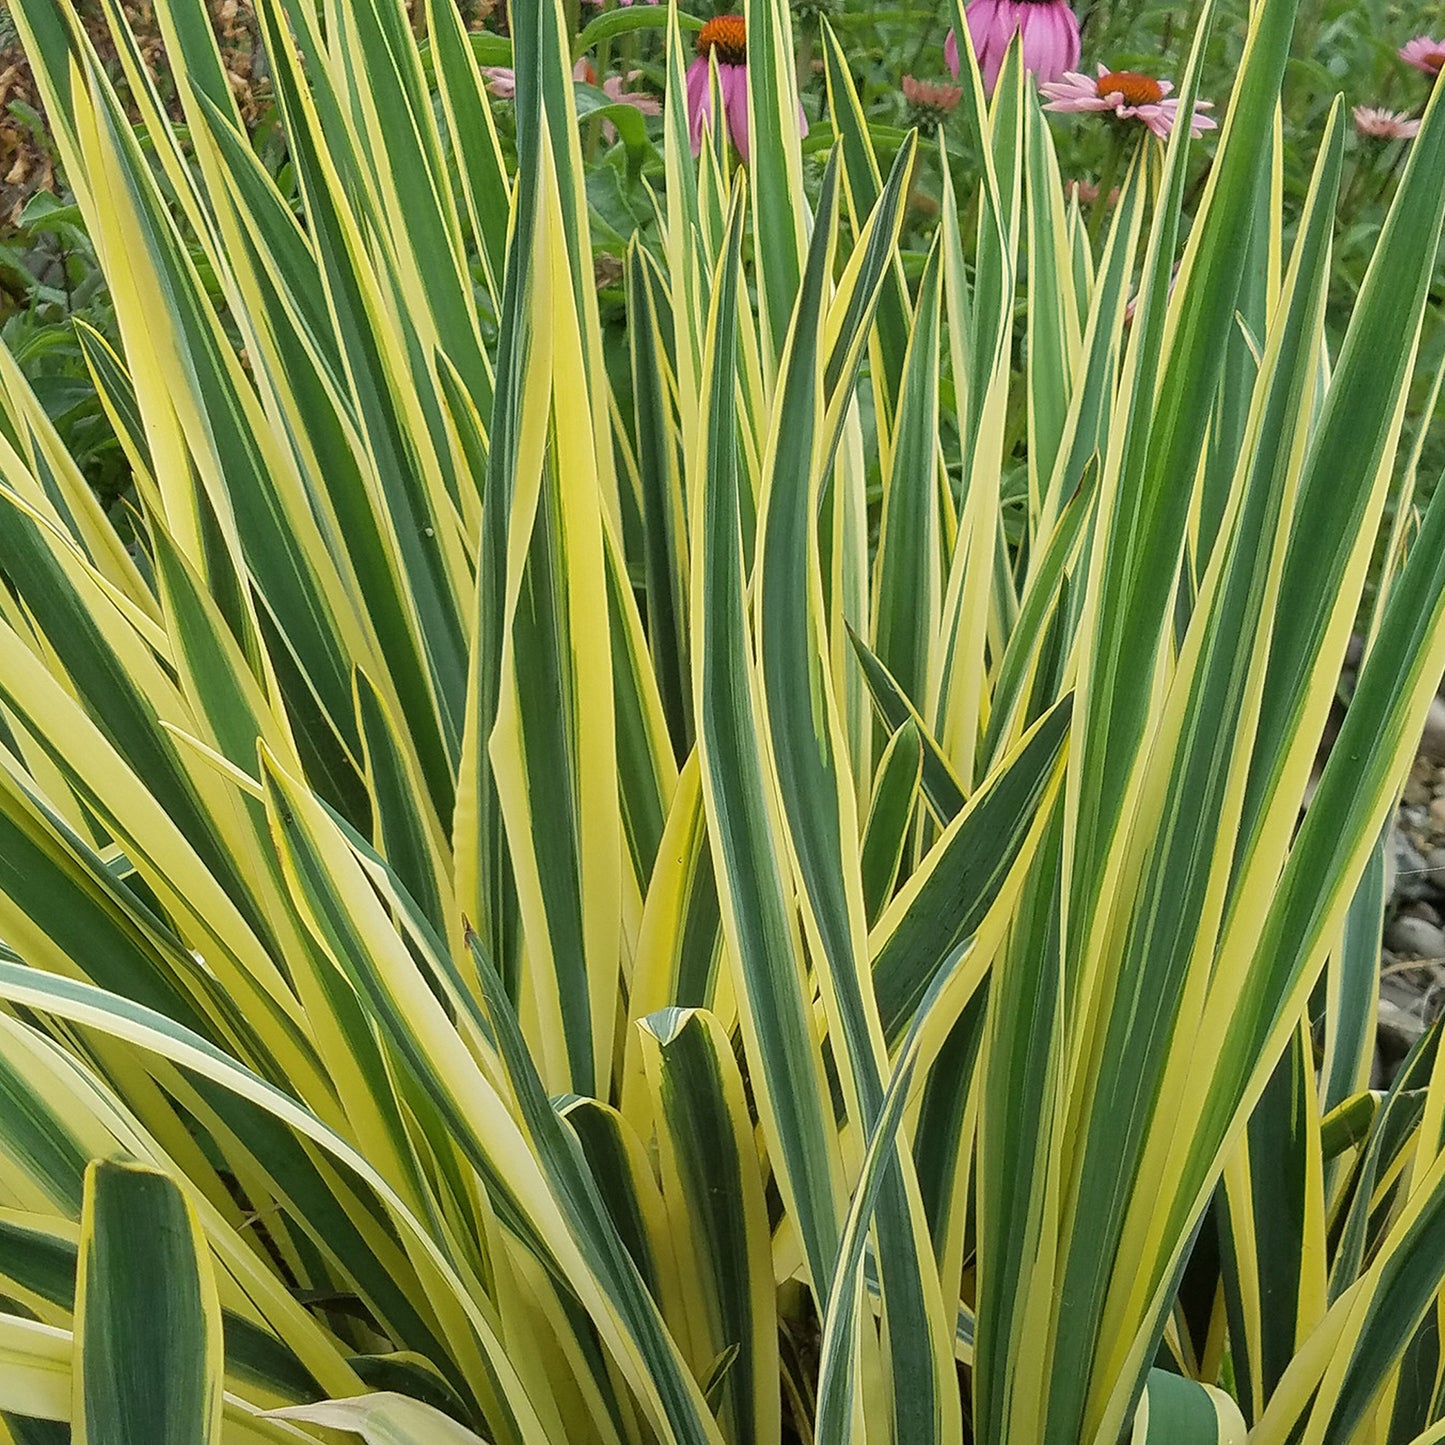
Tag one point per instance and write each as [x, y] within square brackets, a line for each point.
[1424, 54]
[502, 79]
[1129, 95]
[637, 99]
[724, 39]
[1049, 31]
[1385, 124]
[502, 82]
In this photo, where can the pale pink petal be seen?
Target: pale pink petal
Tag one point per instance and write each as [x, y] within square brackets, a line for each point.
[1169, 109]
[1073, 93]
[638, 99]
[1385, 124]
[608, 87]
[1199, 122]
[1424, 53]
[1070, 83]
[1159, 118]
[950, 51]
[699, 101]
[501, 81]
[1077, 92]
[1077, 105]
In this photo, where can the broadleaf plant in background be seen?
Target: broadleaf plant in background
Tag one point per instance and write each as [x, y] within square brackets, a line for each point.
[546, 910]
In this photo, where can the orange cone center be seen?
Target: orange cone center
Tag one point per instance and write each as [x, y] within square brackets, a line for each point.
[727, 36]
[1135, 88]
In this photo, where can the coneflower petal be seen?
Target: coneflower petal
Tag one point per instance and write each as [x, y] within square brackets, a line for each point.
[699, 101]
[1050, 40]
[950, 52]
[734, 82]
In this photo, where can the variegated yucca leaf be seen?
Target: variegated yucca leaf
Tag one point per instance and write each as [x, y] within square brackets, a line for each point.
[569, 893]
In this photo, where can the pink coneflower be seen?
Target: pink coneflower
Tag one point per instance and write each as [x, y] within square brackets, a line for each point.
[1130, 96]
[724, 39]
[637, 99]
[930, 100]
[502, 79]
[1049, 31]
[1385, 124]
[1424, 54]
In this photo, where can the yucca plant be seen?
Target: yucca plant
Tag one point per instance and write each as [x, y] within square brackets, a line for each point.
[533, 912]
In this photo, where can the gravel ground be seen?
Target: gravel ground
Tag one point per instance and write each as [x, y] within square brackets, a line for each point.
[1412, 960]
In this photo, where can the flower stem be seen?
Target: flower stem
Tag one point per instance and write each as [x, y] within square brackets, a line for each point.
[1108, 175]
